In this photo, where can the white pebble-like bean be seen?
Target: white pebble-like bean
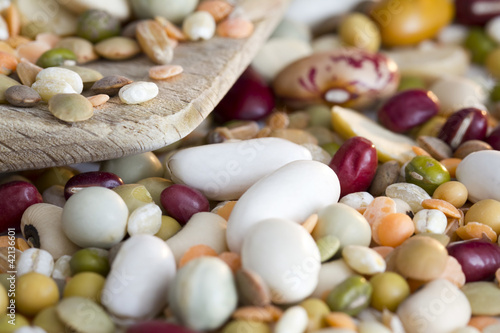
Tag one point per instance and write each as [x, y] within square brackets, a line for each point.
[314, 185]
[493, 29]
[137, 285]
[479, 173]
[470, 329]
[62, 270]
[285, 255]
[363, 260]
[202, 228]
[357, 200]
[430, 221]
[439, 307]
[30, 329]
[95, 217]
[35, 260]
[238, 165]
[49, 88]
[293, 320]
[145, 219]
[199, 25]
[62, 74]
[138, 92]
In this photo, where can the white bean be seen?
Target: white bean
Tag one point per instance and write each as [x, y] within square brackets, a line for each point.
[225, 171]
[293, 192]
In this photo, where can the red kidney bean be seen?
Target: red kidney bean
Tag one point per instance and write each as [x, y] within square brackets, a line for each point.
[476, 12]
[250, 98]
[479, 259]
[92, 178]
[408, 109]
[181, 202]
[494, 138]
[463, 125]
[355, 163]
[157, 326]
[15, 197]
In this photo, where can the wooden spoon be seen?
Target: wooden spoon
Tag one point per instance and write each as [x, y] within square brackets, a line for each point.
[31, 138]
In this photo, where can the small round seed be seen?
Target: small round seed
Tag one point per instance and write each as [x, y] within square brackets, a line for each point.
[22, 96]
[71, 107]
[110, 85]
[469, 147]
[138, 92]
[49, 88]
[163, 72]
[82, 48]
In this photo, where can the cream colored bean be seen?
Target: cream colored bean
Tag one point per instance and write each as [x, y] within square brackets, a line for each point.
[199, 25]
[430, 221]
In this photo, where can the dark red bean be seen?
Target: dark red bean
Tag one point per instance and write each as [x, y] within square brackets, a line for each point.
[181, 202]
[89, 179]
[15, 197]
[463, 125]
[479, 259]
[408, 109]
[476, 12]
[355, 163]
[250, 98]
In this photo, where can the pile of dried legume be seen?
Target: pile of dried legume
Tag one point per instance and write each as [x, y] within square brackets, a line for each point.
[44, 45]
[282, 213]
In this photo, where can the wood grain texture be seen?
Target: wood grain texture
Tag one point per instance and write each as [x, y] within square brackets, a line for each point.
[31, 138]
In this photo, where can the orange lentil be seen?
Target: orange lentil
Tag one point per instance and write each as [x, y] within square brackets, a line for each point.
[481, 322]
[196, 251]
[98, 100]
[451, 165]
[392, 229]
[474, 230]
[8, 63]
[232, 259]
[21, 244]
[13, 19]
[32, 50]
[420, 151]
[378, 208]
[237, 27]
[171, 29]
[447, 208]
[453, 272]
[163, 72]
[225, 210]
[310, 222]
[219, 9]
[6, 47]
[340, 320]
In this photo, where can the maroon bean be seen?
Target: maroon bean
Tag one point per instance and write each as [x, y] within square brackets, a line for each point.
[15, 197]
[355, 163]
[408, 109]
[479, 259]
[250, 98]
[181, 202]
[92, 178]
[494, 138]
[476, 12]
[463, 125]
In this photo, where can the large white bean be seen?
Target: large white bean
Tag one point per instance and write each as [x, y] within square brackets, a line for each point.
[479, 172]
[225, 171]
[285, 255]
[293, 192]
[137, 285]
[331, 274]
[439, 307]
[202, 228]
